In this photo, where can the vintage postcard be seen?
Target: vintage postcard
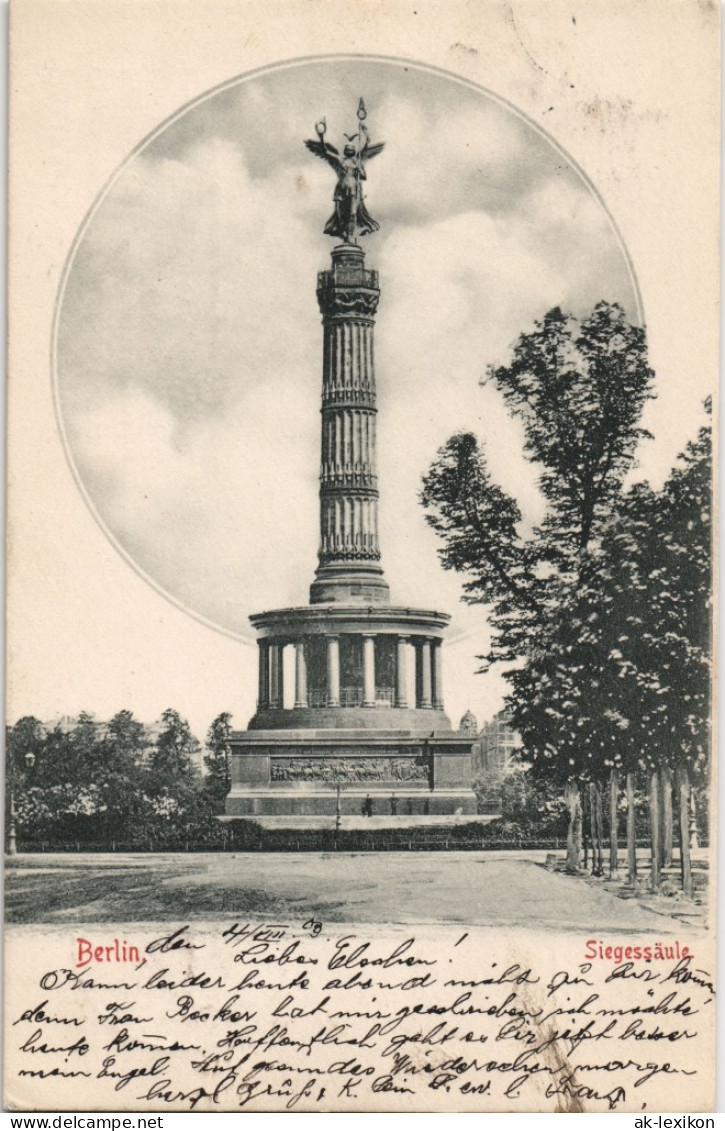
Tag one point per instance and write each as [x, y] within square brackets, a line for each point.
[361, 377]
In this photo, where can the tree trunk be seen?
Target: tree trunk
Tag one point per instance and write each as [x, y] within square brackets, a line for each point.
[694, 839]
[654, 829]
[666, 808]
[574, 834]
[613, 831]
[631, 833]
[589, 800]
[585, 839]
[600, 830]
[685, 800]
[595, 807]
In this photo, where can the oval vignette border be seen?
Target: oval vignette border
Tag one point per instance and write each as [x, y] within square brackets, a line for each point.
[244, 638]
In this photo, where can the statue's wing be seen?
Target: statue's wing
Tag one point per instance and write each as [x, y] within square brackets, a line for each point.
[373, 150]
[323, 149]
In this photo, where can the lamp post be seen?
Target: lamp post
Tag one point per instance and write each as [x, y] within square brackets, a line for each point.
[12, 842]
[338, 806]
[12, 831]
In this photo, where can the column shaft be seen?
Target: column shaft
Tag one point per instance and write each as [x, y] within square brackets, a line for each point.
[276, 676]
[300, 675]
[333, 671]
[437, 674]
[348, 297]
[401, 673]
[263, 694]
[424, 678]
[368, 671]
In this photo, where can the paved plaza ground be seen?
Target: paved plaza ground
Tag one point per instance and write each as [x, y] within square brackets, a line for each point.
[486, 888]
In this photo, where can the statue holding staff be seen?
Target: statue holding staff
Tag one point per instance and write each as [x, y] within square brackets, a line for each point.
[350, 216]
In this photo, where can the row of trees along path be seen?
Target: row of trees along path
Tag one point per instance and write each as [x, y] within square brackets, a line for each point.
[602, 611]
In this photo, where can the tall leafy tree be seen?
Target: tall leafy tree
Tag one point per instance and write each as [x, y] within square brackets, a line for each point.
[176, 748]
[579, 389]
[123, 751]
[216, 761]
[25, 737]
[70, 769]
[173, 782]
[653, 582]
[127, 738]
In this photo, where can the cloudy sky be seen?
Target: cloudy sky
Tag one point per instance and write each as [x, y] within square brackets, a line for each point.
[189, 341]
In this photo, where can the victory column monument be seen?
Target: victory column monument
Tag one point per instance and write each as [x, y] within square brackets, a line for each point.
[352, 743]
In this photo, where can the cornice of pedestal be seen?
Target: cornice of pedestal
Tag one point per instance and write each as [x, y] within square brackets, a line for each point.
[315, 620]
[362, 723]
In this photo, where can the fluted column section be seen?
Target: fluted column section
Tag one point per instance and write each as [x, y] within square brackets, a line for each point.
[349, 551]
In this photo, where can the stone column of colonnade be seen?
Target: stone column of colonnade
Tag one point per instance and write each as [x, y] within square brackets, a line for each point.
[276, 676]
[429, 673]
[300, 675]
[333, 671]
[425, 695]
[368, 671]
[263, 692]
[437, 674]
[401, 672]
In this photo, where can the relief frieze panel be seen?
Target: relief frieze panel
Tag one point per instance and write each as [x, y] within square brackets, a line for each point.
[347, 770]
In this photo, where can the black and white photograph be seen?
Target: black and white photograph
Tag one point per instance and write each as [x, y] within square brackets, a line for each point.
[362, 376]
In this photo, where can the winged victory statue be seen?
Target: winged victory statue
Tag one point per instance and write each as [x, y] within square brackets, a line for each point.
[350, 217]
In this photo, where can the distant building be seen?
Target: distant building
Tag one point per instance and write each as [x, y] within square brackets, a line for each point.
[68, 723]
[468, 723]
[497, 740]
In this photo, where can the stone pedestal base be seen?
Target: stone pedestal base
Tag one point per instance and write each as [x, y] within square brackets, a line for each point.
[356, 773]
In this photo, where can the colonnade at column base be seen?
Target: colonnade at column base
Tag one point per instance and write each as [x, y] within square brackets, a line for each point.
[349, 656]
[360, 728]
